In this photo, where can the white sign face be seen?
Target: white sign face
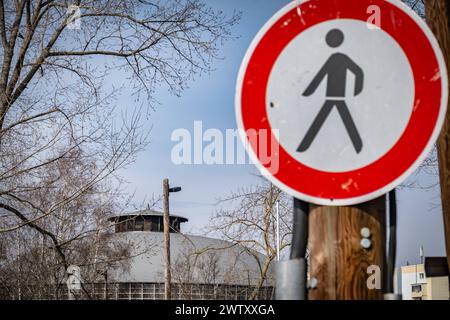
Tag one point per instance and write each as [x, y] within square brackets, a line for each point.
[385, 103]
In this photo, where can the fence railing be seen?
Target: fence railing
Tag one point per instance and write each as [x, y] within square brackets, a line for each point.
[141, 291]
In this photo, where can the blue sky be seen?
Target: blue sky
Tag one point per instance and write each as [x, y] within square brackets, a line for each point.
[211, 100]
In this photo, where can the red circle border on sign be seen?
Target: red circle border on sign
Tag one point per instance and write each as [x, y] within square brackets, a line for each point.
[332, 186]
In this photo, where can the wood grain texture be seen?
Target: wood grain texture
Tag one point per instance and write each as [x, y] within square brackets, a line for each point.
[338, 261]
[166, 221]
[438, 18]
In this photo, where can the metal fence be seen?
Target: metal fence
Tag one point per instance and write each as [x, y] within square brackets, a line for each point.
[155, 291]
[141, 291]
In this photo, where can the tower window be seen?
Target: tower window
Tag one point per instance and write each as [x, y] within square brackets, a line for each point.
[153, 223]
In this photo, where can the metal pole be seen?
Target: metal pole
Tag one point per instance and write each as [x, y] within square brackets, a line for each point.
[421, 254]
[392, 253]
[392, 241]
[106, 284]
[278, 230]
[301, 230]
[291, 274]
[166, 220]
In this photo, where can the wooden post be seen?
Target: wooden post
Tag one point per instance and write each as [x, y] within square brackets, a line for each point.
[167, 273]
[339, 263]
[438, 18]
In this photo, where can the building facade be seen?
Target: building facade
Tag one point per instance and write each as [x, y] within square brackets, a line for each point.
[202, 267]
[425, 281]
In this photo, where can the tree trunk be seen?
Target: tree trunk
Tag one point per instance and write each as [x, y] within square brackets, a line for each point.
[438, 18]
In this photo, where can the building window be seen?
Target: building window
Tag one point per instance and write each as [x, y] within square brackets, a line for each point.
[421, 275]
[175, 226]
[120, 226]
[129, 224]
[156, 224]
[145, 223]
[416, 288]
[139, 224]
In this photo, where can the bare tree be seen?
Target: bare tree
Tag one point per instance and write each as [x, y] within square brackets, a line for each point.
[249, 221]
[183, 270]
[34, 267]
[417, 5]
[58, 110]
[208, 267]
[212, 273]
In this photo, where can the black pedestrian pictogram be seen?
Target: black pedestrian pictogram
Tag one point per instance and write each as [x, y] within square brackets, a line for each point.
[335, 69]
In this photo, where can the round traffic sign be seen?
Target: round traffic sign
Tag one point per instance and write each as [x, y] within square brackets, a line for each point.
[352, 105]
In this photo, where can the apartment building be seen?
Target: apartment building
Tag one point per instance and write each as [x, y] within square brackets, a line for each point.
[425, 281]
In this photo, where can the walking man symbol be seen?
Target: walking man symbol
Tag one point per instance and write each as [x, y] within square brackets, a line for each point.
[336, 71]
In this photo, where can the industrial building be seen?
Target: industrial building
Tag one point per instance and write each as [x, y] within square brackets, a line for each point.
[202, 267]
